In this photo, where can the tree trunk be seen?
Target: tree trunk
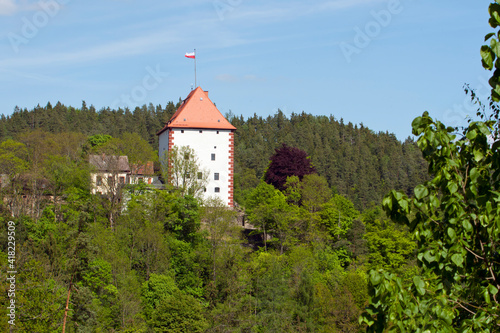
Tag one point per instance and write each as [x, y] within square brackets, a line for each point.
[67, 307]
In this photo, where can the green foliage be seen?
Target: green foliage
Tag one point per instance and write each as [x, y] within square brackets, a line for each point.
[314, 192]
[13, 157]
[453, 218]
[337, 215]
[357, 163]
[180, 313]
[390, 246]
[490, 53]
[39, 299]
[185, 222]
[268, 210]
[170, 310]
[181, 167]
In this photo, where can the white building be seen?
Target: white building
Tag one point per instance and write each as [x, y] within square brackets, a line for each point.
[111, 173]
[199, 125]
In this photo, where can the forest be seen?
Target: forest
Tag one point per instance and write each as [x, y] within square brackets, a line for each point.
[364, 233]
[323, 233]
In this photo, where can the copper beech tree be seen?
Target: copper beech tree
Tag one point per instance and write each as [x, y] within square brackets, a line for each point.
[286, 162]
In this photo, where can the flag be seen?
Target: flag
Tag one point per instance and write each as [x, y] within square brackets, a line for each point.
[190, 55]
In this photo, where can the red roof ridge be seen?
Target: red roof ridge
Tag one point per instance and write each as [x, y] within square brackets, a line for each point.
[198, 111]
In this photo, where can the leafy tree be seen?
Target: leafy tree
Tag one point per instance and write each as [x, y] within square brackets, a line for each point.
[268, 210]
[13, 163]
[221, 226]
[180, 313]
[390, 246]
[314, 192]
[95, 141]
[453, 218]
[184, 223]
[170, 310]
[39, 300]
[181, 167]
[13, 156]
[337, 216]
[287, 161]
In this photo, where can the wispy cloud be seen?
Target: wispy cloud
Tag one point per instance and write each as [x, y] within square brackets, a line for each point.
[291, 10]
[11, 7]
[111, 50]
[7, 7]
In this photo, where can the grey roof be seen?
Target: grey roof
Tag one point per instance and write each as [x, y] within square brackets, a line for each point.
[110, 163]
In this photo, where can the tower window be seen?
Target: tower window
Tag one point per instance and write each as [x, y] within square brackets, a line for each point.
[213, 157]
[201, 131]
[216, 176]
[217, 189]
[182, 131]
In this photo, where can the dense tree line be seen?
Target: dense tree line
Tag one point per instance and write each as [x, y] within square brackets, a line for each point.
[357, 163]
[160, 260]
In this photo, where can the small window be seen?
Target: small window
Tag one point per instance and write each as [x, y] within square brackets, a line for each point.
[201, 131]
[122, 180]
[182, 131]
[215, 147]
[110, 181]
[99, 181]
[204, 189]
[216, 176]
[200, 175]
[217, 132]
[213, 157]
[217, 189]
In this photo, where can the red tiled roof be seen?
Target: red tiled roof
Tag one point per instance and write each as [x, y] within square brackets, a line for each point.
[198, 111]
[142, 169]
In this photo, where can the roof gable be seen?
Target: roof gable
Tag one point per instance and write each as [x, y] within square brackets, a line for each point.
[110, 163]
[198, 111]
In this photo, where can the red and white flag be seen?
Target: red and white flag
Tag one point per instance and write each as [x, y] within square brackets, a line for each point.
[190, 55]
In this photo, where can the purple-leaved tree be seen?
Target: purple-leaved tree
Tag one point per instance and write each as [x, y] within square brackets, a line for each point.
[287, 161]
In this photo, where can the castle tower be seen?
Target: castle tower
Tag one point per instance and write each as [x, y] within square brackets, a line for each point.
[200, 125]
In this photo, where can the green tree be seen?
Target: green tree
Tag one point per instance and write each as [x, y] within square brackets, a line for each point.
[221, 226]
[268, 210]
[168, 309]
[453, 218]
[180, 313]
[337, 216]
[181, 167]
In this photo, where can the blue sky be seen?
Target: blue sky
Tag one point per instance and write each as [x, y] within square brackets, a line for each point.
[380, 63]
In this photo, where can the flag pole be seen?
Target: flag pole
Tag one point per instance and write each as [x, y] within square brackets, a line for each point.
[195, 68]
